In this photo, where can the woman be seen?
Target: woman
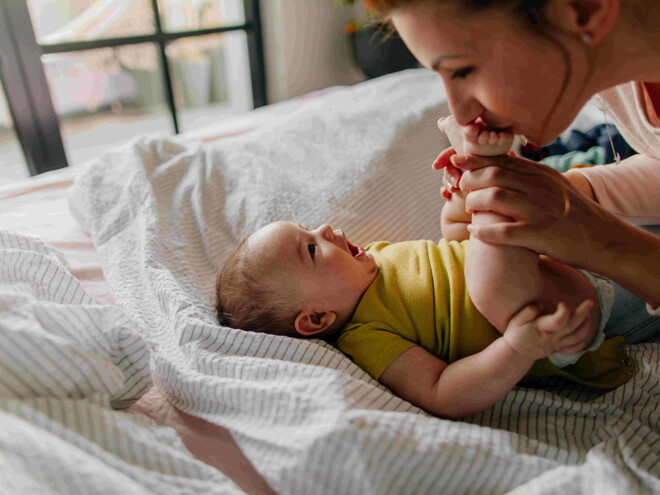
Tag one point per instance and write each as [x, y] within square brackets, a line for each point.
[531, 66]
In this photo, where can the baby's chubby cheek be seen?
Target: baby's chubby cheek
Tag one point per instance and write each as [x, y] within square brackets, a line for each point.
[453, 131]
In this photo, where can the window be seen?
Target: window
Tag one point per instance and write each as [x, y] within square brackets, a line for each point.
[72, 67]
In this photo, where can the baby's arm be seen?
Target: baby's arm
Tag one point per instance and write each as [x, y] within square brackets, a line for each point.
[476, 382]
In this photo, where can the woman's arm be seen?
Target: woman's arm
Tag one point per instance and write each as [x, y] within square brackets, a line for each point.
[476, 382]
[630, 190]
[553, 217]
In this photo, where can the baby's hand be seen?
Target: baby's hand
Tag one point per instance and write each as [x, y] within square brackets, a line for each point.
[540, 336]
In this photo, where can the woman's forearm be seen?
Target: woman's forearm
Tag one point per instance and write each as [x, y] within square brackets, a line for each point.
[630, 256]
[476, 382]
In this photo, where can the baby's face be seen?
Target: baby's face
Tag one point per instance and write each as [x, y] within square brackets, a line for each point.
[331, 272]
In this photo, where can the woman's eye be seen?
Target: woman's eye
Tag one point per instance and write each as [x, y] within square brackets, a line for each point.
[462, 73]
[312, 250]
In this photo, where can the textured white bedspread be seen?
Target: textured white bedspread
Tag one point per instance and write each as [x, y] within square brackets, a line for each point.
[68, 366]
[164, 216]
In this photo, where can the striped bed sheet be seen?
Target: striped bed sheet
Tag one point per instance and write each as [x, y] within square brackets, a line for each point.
[163, 216]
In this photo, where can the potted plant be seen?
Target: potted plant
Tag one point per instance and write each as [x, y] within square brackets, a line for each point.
[376, 50]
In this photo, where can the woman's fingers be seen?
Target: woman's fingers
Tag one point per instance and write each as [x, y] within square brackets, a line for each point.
[444, 192]
[444, 158]
[549, 215]
[510, 233]
[451, 177]
[503, 177]
[508, 162]
[506, 202]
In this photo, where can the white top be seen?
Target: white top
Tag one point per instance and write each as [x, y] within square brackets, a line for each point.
[632, 189]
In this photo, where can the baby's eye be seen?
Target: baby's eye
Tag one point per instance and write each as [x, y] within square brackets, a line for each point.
[312, 250]
[462, 73]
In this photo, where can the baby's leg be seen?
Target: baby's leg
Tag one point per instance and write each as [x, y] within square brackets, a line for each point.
[503, 279]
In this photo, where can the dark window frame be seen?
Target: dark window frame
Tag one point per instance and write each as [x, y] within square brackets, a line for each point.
[28, 95]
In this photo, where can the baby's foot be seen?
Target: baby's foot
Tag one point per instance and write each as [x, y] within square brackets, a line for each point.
[479, 139]
[453, 131]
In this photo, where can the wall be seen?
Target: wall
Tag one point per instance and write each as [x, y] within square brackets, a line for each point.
[305, 46]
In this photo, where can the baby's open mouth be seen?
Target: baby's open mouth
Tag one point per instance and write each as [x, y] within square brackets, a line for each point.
[356, 251]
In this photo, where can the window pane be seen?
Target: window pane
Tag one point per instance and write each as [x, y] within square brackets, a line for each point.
[211, 78]
[59, 21]
[12, 162]
[106, 96]
[187, 15]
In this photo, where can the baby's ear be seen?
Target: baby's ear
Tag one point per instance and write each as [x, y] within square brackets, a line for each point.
[309, 323]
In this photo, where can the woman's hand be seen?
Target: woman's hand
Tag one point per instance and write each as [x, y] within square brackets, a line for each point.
[550, 216]
[451, 176]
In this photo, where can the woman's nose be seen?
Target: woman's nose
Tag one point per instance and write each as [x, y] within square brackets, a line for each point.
[464, 108]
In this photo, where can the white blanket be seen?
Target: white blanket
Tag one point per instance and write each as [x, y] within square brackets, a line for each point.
[67, 366]
[164, 217]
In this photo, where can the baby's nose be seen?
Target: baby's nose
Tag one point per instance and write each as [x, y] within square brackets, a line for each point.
[327, 231]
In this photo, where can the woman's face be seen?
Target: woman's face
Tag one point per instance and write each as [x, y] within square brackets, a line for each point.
[494, 69]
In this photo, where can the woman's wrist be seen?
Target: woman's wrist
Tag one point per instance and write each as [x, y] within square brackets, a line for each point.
[581, 183]
[630, 256]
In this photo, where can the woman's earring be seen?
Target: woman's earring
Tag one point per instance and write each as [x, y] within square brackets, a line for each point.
[586, 38]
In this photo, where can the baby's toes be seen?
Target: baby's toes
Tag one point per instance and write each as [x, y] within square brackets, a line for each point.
[505, 137]
[484, 136]
[494, 138]
[471, 133]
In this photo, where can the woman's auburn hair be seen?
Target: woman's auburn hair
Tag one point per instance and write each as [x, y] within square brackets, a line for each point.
[530, 10]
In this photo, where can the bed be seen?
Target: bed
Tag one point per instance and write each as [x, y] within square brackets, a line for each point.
[116, 378]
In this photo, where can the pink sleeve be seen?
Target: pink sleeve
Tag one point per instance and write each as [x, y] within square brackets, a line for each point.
[630, 190]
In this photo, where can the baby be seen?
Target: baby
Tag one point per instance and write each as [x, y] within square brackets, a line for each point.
[451, 327]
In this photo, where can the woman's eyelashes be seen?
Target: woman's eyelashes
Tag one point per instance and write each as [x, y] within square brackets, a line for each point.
[462, 73]
[312, 250]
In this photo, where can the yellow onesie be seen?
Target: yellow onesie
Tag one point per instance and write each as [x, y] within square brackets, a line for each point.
[419, 297]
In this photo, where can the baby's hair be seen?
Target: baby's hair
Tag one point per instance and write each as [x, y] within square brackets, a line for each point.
[250, 297]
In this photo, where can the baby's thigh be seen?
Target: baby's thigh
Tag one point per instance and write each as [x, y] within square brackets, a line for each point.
[562, 283]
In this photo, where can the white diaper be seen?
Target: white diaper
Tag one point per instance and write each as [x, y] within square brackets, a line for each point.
[605, 291]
